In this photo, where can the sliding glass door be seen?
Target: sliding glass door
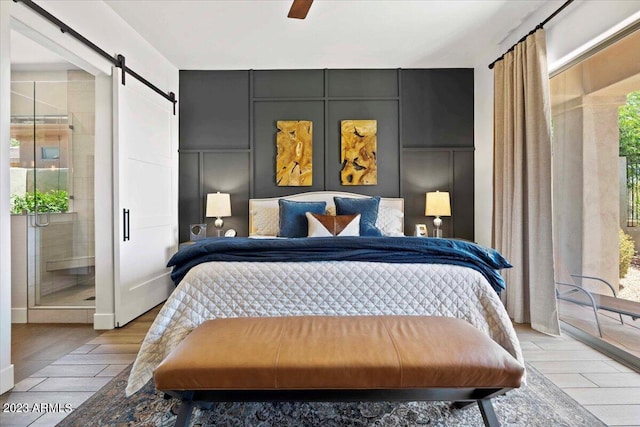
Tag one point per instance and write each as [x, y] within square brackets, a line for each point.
[596, 149]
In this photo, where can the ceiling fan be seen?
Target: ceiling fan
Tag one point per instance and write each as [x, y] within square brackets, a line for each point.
[299, 9]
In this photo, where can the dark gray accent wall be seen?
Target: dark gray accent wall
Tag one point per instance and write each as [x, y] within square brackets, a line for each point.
[450, 170]
[288, 84]
[265, 116]
[216, 111]
[190, 204]
[437, 146]
[437, 108]
[386, 114]
[362, 83]
[425, 137]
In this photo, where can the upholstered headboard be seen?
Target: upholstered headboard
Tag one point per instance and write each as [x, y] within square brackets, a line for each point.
[260, 205]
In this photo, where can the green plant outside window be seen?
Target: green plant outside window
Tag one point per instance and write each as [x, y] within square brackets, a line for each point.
[54, 201]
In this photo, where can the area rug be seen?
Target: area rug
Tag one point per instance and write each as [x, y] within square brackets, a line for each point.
[539, 403]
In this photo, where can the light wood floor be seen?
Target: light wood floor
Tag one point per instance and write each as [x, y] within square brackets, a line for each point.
[608, 389]
[37, 345]
[67, 364]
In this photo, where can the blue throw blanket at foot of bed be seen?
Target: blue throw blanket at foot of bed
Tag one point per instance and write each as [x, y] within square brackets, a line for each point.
[372, 249]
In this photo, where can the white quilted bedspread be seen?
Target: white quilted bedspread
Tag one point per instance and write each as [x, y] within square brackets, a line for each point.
[240, 289]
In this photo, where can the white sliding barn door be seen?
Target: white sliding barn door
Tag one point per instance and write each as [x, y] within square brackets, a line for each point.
[145, 199]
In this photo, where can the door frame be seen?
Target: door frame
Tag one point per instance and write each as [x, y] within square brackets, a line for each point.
[49, 37]
[116, 36]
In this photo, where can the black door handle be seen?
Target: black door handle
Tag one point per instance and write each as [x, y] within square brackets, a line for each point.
[125, 225]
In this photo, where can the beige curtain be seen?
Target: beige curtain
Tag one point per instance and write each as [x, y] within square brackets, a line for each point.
[522, 220]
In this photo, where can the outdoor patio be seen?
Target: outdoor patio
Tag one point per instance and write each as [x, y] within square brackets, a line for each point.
[625, 337]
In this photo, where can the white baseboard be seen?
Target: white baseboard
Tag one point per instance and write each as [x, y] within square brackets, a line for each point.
[6, 379]
[104, 321]
[61, 315]
[18, 315]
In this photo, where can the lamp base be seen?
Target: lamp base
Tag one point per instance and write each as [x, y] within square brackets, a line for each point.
[218, 223]
[437, 231]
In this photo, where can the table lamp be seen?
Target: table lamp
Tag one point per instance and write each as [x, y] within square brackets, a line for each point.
[437, 204]
[218, 206]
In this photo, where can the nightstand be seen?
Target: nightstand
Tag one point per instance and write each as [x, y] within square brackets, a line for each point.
[185, 244]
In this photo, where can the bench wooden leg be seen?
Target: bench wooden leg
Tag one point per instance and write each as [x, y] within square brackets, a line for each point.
[486, 409]
[186, 409]
[488, 414]
[463, 404]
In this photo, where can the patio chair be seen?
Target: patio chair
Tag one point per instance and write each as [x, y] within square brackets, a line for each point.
[579, 295]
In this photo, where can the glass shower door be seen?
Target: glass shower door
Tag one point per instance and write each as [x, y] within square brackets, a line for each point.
[60, 263]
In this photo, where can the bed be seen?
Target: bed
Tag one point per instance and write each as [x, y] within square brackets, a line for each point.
[279, 277]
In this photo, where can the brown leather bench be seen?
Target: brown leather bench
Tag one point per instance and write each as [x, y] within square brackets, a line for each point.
[346, 358]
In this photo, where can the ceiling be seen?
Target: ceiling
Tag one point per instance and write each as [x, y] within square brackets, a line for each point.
[256, 34]
[27, 55]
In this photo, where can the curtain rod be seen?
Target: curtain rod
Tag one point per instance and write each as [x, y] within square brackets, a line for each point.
[117, 60]
[539, 26]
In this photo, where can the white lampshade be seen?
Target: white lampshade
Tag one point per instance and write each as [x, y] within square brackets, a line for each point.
[437, 204]
[218, 205]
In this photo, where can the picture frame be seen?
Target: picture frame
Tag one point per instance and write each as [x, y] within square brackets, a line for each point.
[197, 232]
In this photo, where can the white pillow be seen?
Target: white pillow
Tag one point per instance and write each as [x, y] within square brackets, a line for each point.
[327, 225]
[390, 221]
[266, 221]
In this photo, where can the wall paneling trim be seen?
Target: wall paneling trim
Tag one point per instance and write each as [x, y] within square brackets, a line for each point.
[425, 136]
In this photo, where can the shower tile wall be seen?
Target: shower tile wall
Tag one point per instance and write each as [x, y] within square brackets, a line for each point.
[81, 108]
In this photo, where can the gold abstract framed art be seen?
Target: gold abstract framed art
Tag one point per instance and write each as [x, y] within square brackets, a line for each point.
[358, 152]
[294, 158]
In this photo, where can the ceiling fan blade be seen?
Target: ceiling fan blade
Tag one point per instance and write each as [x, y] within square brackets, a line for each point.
[299, 9]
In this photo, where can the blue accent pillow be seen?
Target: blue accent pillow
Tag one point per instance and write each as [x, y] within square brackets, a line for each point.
[367, 208]
[293, 222]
